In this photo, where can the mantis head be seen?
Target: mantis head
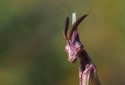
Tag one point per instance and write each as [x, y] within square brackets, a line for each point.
[74, 46]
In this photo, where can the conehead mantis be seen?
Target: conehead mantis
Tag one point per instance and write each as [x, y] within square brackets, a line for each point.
[75, 49]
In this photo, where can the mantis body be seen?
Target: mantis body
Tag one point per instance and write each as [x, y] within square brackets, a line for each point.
[75, 49]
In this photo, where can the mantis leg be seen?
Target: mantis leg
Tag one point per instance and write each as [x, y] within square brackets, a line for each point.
[80, 77]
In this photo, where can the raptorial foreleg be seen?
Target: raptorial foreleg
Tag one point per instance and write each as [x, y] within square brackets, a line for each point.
[86, 74]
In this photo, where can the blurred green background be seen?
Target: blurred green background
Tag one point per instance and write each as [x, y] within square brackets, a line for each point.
[32, 45]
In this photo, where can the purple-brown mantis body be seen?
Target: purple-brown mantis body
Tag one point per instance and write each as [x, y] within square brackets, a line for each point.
[74, 49]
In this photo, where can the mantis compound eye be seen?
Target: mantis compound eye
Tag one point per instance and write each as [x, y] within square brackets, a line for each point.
[79, 50]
